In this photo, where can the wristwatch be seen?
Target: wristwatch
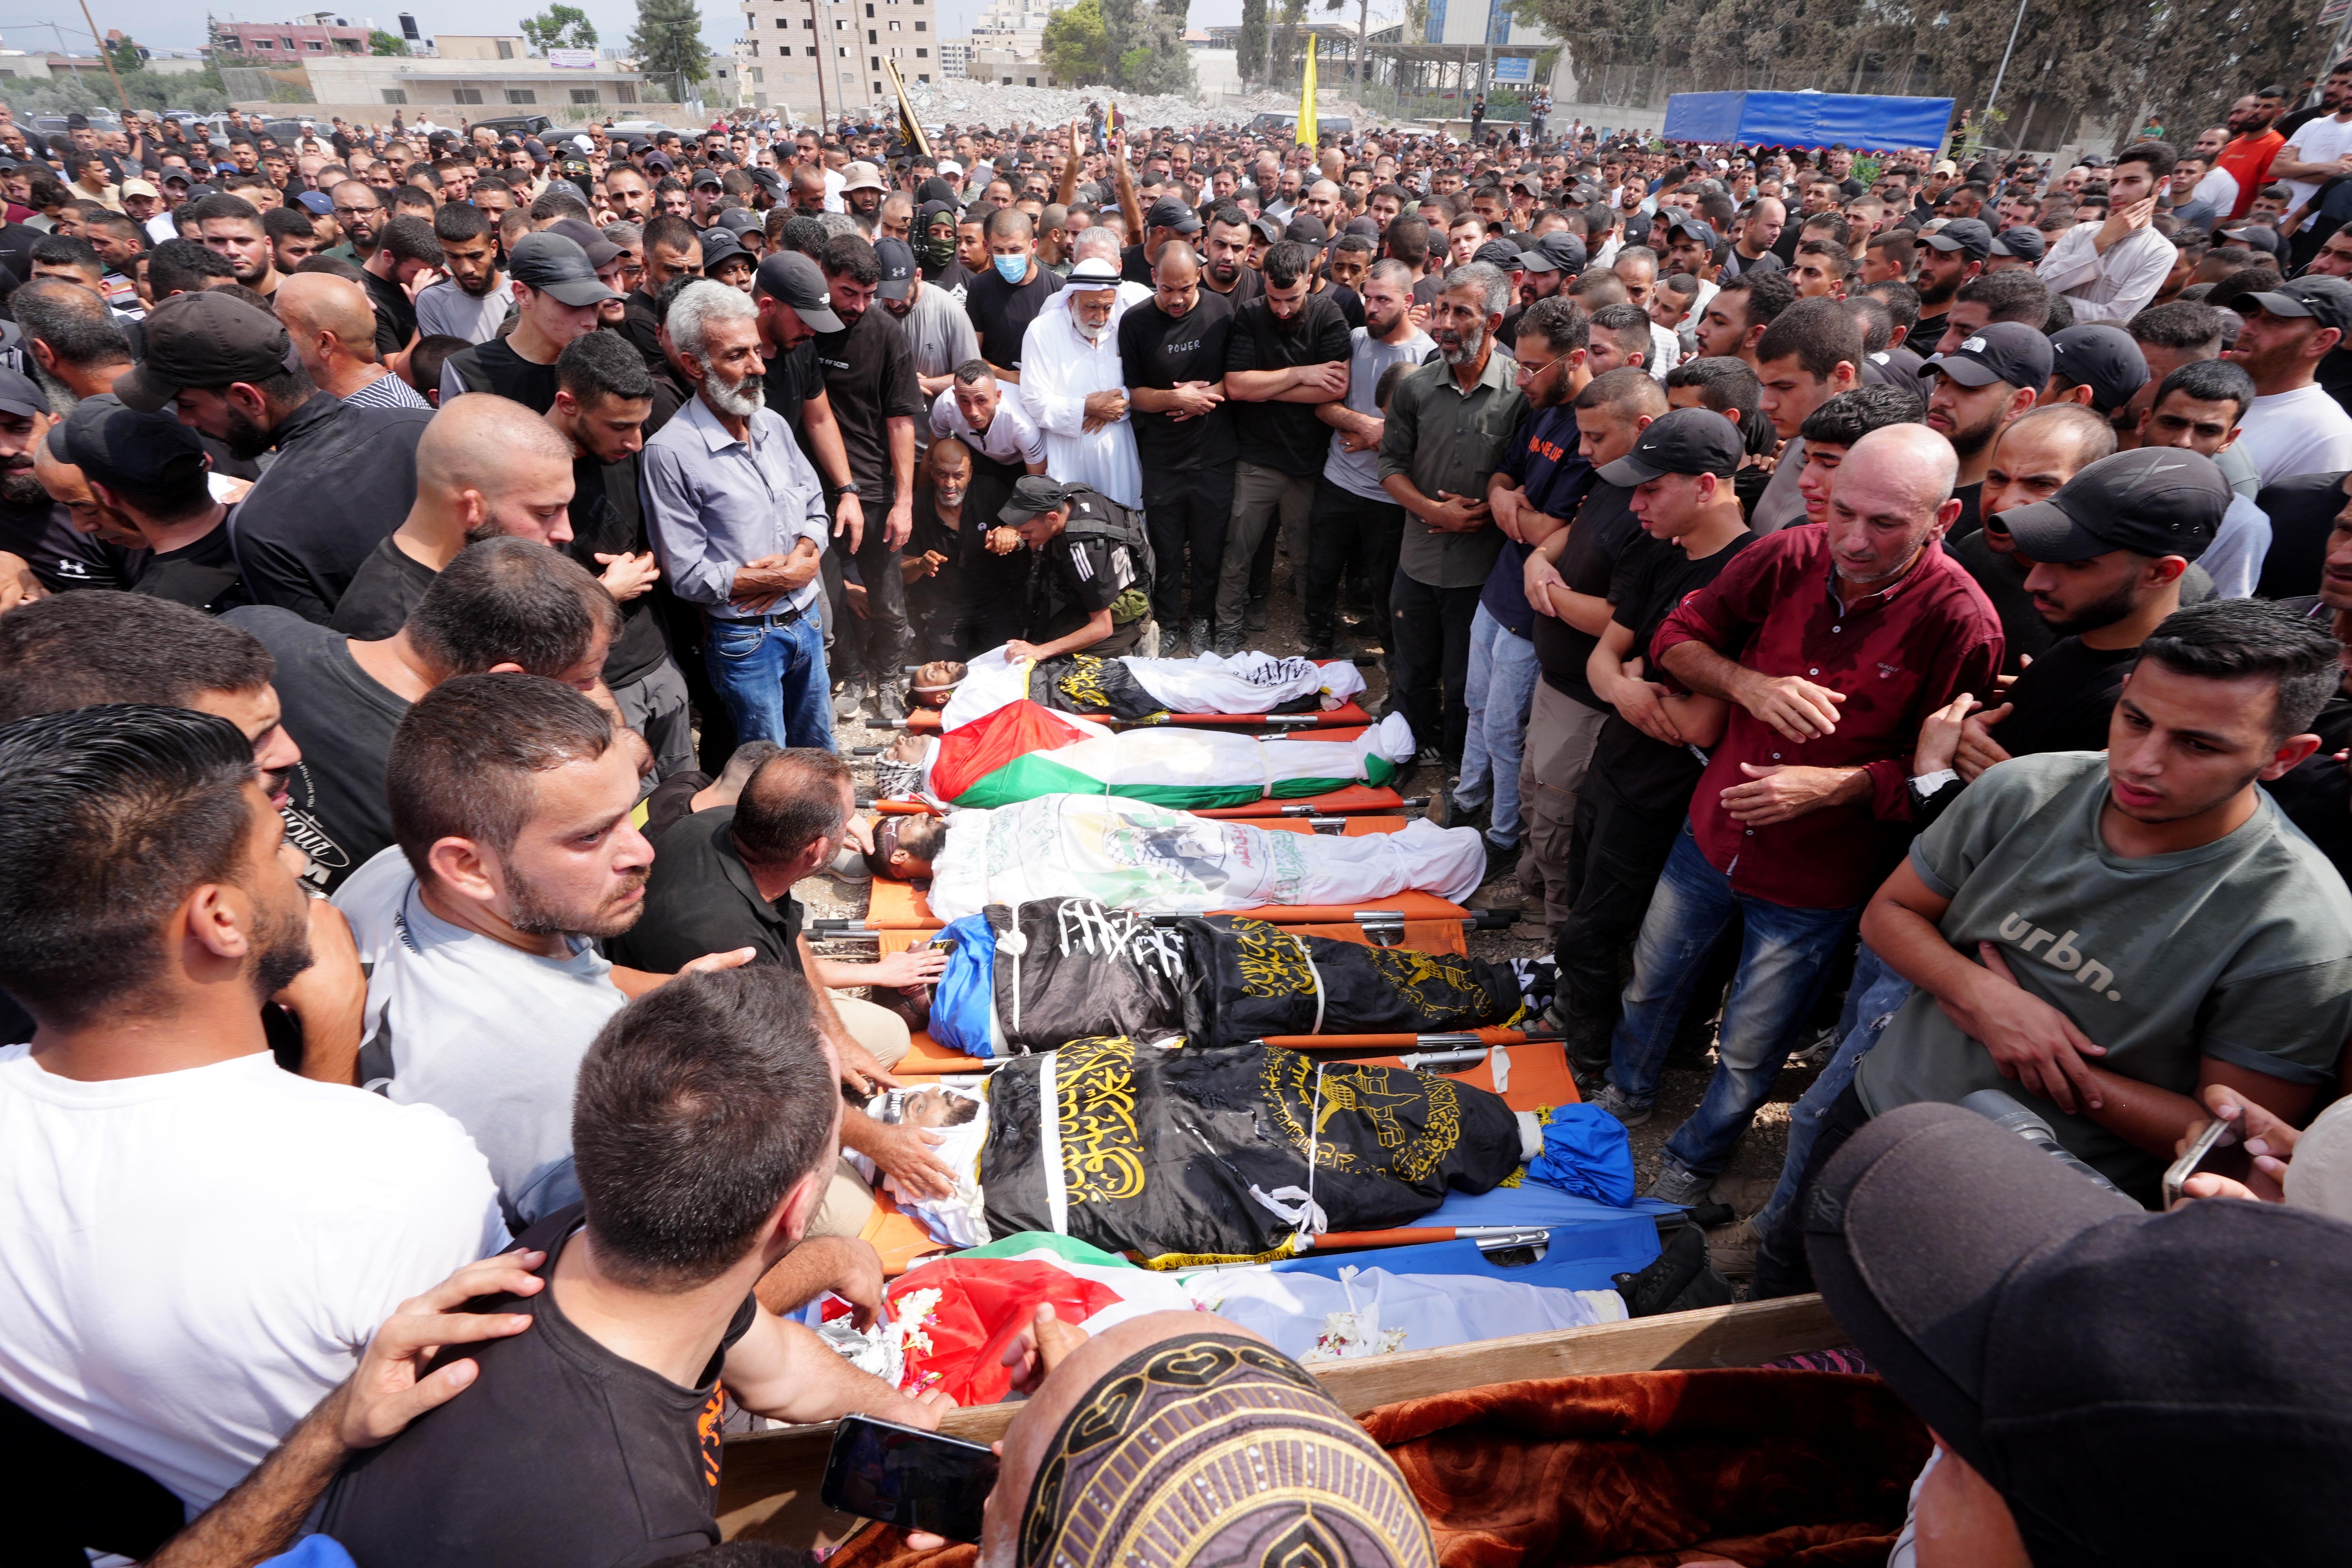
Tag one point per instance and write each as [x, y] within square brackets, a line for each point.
[848, 490]
[1926, 785]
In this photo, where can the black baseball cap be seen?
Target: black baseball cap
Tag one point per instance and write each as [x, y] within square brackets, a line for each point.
[1169, 213]
[206, 340]
[2327, 301]
[20, 394]
[1680, 441]
[1499, 253]
[897, 260]
[1306, 228]
[1269, 229]
[2023, 241]
[1697, 228]
[719, 244]
[2153, 501]
[1557, 251]
[600, 251]
[2000, 350]
[556, 264]
[794, 278]
[2111, 1373]
[1031, 494]
[2104, 358]
[120, 446]
[1964, 233]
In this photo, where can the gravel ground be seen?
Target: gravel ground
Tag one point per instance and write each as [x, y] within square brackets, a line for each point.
[963, 101]
[1755, 1164]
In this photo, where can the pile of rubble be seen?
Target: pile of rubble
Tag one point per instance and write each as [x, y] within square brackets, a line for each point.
[966, 102]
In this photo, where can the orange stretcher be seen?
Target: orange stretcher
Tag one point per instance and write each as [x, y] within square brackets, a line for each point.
[895, 906]
[1537, 1079]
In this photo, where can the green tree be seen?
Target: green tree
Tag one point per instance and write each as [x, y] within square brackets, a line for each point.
[1146, 45]
[126, 56]
[1249, 51]
[1077, 47]
[667, 41]
[383, 43]
[560, 27]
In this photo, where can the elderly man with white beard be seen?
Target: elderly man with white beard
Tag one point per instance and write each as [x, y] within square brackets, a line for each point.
[1075, 389]
[737, 516]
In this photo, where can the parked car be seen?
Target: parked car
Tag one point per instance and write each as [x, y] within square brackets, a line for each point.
[1335, 125]
[515, 125]
[645, 128]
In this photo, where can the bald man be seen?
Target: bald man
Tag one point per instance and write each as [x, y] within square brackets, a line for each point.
[332, 326]
[486, 466]
[1807, 796]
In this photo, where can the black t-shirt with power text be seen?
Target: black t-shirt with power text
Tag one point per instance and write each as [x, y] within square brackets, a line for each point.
[560, 1451]
[1160, 352]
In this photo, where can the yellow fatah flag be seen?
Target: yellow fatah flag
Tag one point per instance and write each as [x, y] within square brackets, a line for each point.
[1307, 99]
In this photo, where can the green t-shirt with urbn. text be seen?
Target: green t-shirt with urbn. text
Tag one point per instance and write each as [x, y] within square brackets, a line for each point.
[2240, 950]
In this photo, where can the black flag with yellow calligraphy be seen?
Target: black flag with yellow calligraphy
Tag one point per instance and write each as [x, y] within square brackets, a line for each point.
[910, 130]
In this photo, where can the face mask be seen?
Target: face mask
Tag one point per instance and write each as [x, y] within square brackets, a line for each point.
[937, 251]
[1012, 268]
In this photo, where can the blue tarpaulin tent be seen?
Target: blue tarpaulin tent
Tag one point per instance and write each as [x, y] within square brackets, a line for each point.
[1807, 119]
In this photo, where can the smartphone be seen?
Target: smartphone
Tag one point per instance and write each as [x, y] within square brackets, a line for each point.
[915, 1480]
[2207, 1154]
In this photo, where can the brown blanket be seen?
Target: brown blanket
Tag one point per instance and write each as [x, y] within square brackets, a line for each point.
[1768, 1469]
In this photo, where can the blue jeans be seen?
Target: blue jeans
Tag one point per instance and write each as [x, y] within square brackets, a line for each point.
[1876, 992]
[1503, 671]
[1784, 957]
[773, 679]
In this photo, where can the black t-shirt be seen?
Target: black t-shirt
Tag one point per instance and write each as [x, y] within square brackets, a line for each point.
[62, 556]
[642, 327]
[1351, 310]
[1605, 526]
[1159, 350]
[700, 898]
[791, 381]
[1425, 290]
[869, 375]
[1286, 436]
[494, 366]
[1133, 267]
[608, 518]
[2024, 634]
[342, 717]
[671, 801]
[395, 312]
[1928, 331]
[1248, 284]
[1653, 577]
[383, 589]
[2317, 795]
[1971, 518]
[202, 576]
[1001, 311]
[2064, 700]
[561, 1451]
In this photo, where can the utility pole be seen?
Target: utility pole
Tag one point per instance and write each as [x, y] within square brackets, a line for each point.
[1486, 70]
[106, 54]
[2003, 71]
[817, 24]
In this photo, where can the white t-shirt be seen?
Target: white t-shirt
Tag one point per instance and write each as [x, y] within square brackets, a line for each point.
[2320, 141]
[2300, 432]
[194, 1259]
[490, 1033]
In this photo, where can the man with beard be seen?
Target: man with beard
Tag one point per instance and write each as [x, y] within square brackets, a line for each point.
[333, 329]
[738, 518]
[1953, 254]
[1448, 424]
[486, 467]
[359, 213]
[471, 302]
[343, 478]
[1977, 389]
[33, 527]
[1172, 349]
[2253, 146]
[2108, 553]
[938, 331]
[671, 247]
[2293, 426]
[149, 472]
[510, 795]
[230, 227]
[147, 989]
[558, 297]
[1225, 271]
[1768, 217]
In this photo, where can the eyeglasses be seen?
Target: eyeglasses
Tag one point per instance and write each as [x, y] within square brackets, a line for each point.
[1523, 371]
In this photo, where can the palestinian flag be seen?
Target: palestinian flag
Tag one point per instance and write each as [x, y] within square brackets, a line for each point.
[1023, 751]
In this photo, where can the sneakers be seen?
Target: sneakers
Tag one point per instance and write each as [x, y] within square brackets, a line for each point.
[1256, 619]
[887, 705]
[1228, 644]
[1612, 1101]
[1679, 1187]
[1196, 637]
[844, 704]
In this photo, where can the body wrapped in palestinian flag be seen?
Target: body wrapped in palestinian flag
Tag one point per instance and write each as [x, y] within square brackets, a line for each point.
[1065, 969]
[1134, 690]
[1022, 751]
[1200, 1154]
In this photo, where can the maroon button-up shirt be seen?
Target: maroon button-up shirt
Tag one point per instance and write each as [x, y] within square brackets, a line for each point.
[1898, 655]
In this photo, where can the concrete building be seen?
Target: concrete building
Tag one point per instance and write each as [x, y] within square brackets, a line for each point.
[955, 57]
[288, 42]
[478, 88]
[820, 58]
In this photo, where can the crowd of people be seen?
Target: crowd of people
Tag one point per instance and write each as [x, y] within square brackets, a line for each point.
[1896, 609]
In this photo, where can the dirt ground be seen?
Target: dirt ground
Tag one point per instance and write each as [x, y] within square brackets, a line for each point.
[1755, 1165]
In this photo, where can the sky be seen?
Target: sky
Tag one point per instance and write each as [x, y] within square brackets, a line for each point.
[178, 25]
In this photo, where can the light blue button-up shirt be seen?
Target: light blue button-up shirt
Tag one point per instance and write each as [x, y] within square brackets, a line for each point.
[714, 504]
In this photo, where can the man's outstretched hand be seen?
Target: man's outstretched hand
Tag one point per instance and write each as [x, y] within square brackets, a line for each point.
[391, 1387]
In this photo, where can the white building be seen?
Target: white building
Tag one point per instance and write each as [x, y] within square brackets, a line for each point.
[822, 58]
[955, 58]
